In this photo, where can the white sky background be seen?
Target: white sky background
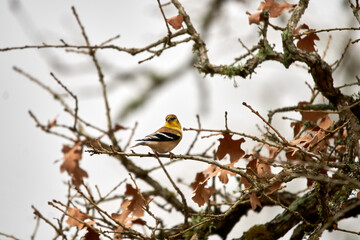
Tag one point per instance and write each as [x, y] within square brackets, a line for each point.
[28, 174]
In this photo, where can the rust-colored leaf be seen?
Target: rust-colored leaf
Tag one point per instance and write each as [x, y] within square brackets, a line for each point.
[223, 176]
[256, 18]
[122, 218]
[306, 42]
[276, 186]
[139, 221]
[263, 170]
[358, 195]
[176, 21]
[137, 201]
[76, 213]
[251, 169]
[72, 157]
[231, 147]
[119, 127]
[297, 126]
[202, 194]
[312, 116]
[274, 8]
[91, 235]
[254, 201]
[51, 124]
[198, 179]
[325, 122]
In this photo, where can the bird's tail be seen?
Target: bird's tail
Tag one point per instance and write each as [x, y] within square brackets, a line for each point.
[138, 144]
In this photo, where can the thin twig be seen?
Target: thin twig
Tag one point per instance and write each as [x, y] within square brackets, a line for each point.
[185, 206]
[109, 40]
[101, 80]
[196, 136]
[327, 30]
[47, 130]
[9, 236]
[33, 235]
[166, 23]
[327, 47]
[73, 96]
[131, 136]
[38, 214]
[337, 62]
[266, 122]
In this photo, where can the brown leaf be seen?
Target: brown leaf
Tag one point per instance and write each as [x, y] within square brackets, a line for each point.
[275, 9]
[306, 42]
[254, 201]
[223, 176]
[176, 22]
[139, 221]
[250, 170]
[72, 156]
[276, 186]
[312, 116]
[325, 122]
[119, 127]
[91, 235]
[256, 18]
[358, 195]
[51, 124]
[202, 194]
[76, 213]
[137, 201]
[263, 170]
[290, 155]
[231, 147]
[297, 126]
[198, 179]
[273, 151]
[122, 218]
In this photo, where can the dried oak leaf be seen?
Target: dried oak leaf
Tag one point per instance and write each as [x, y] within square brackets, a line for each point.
[51, 124]
[137, 201]
[325, 122]
[223, 176]
[76, 213]
[312, 116]
[297, 126]
[256, 18]
[175, 22]
[123, 218]
[306, 42]
[202, 193]
[274, 8]
[250, 170]
[91, 235]
[213, 170]
[119, 127]
[200, 176]
[358, 195]
[231, 147]
[72, 157]
[254, 201]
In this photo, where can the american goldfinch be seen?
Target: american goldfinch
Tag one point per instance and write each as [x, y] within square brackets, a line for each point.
[166, 138]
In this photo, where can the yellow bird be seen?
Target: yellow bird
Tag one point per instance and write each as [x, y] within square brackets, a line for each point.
[165, 139]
